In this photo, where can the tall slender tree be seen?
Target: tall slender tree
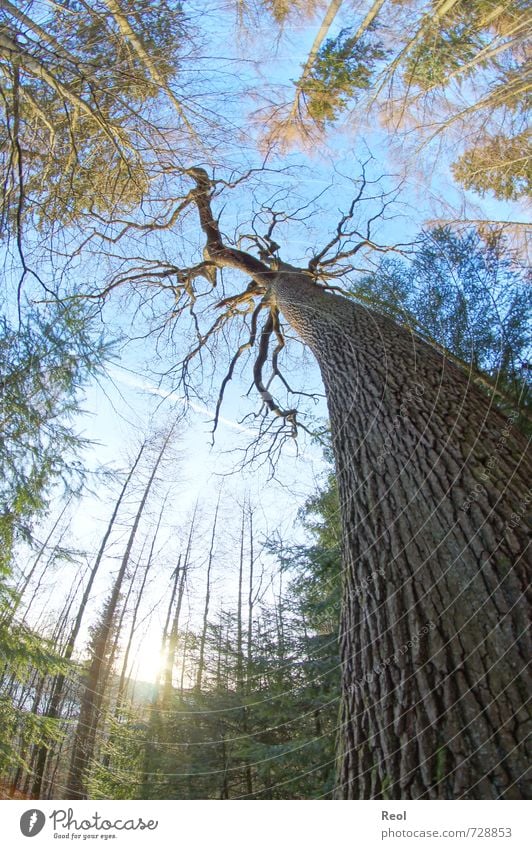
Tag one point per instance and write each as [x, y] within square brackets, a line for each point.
[56, 694]
[84, 738]
[203, 636]
[174, 616]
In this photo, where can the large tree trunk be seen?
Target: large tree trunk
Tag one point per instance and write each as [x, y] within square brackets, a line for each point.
[434, 485]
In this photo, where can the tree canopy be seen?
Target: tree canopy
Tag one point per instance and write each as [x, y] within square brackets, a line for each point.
[429, 69]
[78, 81]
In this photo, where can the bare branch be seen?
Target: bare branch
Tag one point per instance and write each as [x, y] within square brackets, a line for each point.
[215, 249]
[262, 357]
[243, 347]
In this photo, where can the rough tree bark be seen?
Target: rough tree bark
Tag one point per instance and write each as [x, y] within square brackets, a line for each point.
[434, 484]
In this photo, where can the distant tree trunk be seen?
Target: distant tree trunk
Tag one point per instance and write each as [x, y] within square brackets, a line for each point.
[203, 636]
[249, 645]
[38, 686]
[173, 632]
[83, 745]
[26, 579]
[434, 484]
[239, 626]
[219, 649]
[156, 720]
[173, 636]
[122, 684]
[43, 690]
[62, 631]
[56, 694]
[166, 630]
[241, 681]
[279, 625]
[251, 600]
[44, 578]
[157, 733]
[124, 678]
[108, 668]
[224, 789]
[184, 652]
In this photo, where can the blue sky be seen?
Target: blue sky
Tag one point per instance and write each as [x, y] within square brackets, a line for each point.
[321, 181]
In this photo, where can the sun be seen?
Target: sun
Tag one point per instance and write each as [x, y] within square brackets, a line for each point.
[146, 661]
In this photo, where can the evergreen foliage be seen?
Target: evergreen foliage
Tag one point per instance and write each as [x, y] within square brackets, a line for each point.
[74, 80]
[46, 360]
[460, 65]
[464, 292]
[345, 65]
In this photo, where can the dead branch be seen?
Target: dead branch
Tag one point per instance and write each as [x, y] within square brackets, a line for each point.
[215, 250]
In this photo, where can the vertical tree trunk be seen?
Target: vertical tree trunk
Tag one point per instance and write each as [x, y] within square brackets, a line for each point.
[122, 684]
[219, 644]
[157, 734]
[239, 627]
[173, 633]
[166, 629]
[38, 686]
[251, 600]
[249, 644]
[44, 578]
[108, 668]
[203, 637]
[184, 653]
[26, 578]
[173, 638]
[434, 484]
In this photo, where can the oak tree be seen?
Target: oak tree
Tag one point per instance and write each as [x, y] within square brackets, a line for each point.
[433, 485]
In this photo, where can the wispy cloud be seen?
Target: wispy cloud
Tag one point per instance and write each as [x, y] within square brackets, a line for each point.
[127, 379]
